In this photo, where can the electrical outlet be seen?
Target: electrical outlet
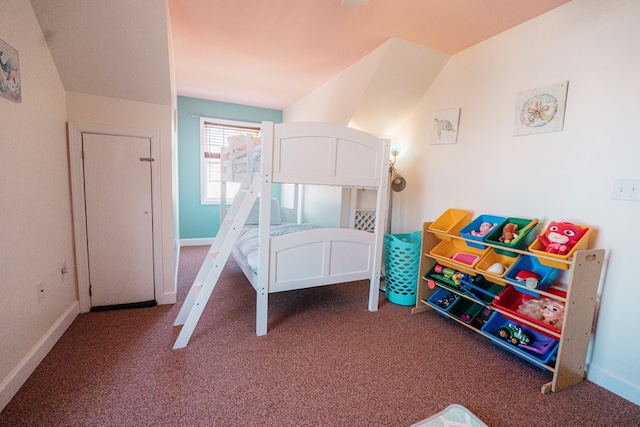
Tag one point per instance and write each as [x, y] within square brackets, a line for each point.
[40, 287]
[626, 189]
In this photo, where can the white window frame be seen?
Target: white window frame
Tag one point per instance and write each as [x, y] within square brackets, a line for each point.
[207, 181]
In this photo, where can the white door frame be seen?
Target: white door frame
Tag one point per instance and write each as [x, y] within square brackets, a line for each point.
[77, 196]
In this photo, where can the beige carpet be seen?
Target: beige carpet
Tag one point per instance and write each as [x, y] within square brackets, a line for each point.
[326, 361]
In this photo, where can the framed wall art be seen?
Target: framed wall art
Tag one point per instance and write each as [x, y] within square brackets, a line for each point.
[445, 126]
[540, 110]
[10, 86]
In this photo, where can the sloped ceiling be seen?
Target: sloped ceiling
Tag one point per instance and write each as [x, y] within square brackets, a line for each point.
[401, 79]
[377, 93]
[111, 48]
[266, 53]
[270, 53]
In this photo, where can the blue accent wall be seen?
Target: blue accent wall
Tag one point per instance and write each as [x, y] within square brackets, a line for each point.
[197, 220]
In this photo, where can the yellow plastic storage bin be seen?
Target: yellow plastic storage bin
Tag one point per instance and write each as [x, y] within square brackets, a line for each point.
[537, 247]
[486, 264]
[450, 222]
[455, 254]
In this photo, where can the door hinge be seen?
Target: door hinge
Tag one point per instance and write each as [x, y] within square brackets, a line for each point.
[89, 290]
[147, 159]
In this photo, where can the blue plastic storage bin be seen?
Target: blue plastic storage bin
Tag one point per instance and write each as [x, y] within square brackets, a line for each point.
[443, 299]
[541, 347]
[530, 263]
[402, 266]
[474, 226]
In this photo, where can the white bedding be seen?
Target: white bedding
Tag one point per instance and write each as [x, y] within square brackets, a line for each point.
[247, 242]
[242, 153]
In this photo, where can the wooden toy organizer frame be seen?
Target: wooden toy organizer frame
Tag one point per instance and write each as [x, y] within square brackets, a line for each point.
[585, 268]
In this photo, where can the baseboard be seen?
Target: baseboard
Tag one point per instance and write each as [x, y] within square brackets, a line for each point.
[614, 384]
[10, 386]
[207, 241]
[167, 298]
[176, 251]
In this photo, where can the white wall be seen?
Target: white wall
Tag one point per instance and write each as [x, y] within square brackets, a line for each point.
[565, 175]
[336, 100]
[321, 205]
[375, 94]
[35, 225]
[119, 113]
[36, 232]
[401, 77]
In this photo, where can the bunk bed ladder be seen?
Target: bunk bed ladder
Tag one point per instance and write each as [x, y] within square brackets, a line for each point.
[216, 259]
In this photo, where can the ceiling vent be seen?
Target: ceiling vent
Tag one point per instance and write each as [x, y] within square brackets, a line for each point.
[349, 3]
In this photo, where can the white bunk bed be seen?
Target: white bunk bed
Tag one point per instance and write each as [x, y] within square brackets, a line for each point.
[316, 154]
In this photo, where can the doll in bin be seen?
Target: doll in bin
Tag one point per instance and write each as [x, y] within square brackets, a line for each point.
[484, 228]
[545, 310]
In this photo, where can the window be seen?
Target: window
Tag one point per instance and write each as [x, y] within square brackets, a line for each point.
[213, 136]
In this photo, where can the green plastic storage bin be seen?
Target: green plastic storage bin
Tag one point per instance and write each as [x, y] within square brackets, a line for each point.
[525, 236]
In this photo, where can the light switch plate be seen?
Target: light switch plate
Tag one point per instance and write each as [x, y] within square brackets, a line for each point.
[626, 189]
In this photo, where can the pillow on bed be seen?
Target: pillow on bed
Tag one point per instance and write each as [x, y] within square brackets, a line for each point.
[254, 214]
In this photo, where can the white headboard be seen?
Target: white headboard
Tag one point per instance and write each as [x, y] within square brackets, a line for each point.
[325, 154]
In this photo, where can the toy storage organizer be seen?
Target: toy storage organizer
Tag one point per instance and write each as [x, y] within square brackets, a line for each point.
[401, 262]
[457, 279]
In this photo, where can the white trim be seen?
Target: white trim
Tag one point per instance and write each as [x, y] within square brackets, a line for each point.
[615, 384]
[176, 251]
[204, 241]
[79, 220]
[19, 375]
[167, 298]
[203, 164]
[226, 122]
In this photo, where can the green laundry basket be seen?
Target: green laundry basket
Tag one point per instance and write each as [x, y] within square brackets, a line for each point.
[401, 265]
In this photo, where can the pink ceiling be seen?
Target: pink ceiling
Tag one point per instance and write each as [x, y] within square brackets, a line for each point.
[270, 53]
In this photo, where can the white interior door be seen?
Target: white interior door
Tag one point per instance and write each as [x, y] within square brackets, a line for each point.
[119, 218]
